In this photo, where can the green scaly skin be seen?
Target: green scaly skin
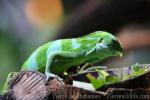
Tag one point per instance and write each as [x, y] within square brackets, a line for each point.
[57, 56]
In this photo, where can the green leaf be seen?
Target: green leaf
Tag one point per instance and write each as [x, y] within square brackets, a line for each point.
[96, 82]
[102, 79]
[102, 73]
[136, 71]
[135, 67]
[111, 79]
[9, 78]
[108, 78]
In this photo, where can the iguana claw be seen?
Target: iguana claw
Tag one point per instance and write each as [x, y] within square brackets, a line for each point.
[50, 75]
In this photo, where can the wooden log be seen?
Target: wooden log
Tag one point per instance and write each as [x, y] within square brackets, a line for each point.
[32, 85]
[28, 85]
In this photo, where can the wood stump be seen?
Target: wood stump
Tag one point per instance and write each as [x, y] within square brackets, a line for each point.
[32, 85]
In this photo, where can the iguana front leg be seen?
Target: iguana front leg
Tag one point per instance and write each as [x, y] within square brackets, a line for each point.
[51, 58]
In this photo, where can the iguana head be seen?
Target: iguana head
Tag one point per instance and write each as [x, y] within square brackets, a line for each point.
[106, 45]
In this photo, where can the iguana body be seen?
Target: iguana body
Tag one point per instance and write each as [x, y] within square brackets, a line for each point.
[59, 55]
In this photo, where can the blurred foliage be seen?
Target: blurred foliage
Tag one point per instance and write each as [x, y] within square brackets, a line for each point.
[8, 59]
[26, 24]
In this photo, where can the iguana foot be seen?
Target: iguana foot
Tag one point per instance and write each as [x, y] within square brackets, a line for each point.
[50, 75]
